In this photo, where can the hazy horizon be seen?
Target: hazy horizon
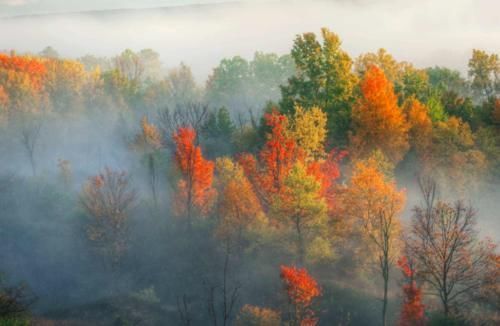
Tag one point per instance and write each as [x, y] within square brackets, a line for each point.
[427, 33]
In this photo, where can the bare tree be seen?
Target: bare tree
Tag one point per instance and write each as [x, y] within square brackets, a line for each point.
[223, 307]
[107, 198]
[445, 245]
[192, 115]
[30, 132]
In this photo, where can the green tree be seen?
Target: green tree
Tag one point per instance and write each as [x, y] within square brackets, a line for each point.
[323, 78]
[303, 211]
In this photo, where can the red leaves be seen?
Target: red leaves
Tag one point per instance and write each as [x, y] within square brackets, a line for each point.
[279, 154]
[412, 313]
[195, 187]
[301, 287]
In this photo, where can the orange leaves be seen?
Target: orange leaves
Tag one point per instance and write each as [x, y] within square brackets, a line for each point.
[378, 122]
[195, 187]
[238, 205]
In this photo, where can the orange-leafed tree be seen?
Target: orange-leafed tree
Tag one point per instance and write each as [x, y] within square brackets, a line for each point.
[23, 80]
[413, 310]
[301, 289]
[420, 128]
[378, 122]
[238, 207]
[195, 193]
[373, 201]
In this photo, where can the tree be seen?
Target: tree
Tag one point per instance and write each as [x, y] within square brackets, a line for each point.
[194, 191]
[301, 289]
[407, 80]
[373, 199]
[454, 157]
[484, 69]
[323, 79]
[412, 313]
[309, 131]
[15, 301]
[451, 259]
[148, 142]
[30, 133]
[303, 211]
[420, 128]
[238, 207]
[378, 122]
[107, 199]
[277, 157]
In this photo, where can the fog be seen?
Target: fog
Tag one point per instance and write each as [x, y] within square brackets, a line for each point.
[44, 224]
[425, 32]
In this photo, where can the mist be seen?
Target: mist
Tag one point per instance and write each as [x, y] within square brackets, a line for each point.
[134, 192]
[426, 33]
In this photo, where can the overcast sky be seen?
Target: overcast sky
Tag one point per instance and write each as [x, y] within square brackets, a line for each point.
[425, 32]
[21, 7]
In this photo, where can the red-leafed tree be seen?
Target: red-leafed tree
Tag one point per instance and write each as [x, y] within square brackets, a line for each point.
[276, 159]
[279, 153]
[301, 289]
[412, 312]
[327, 172]
[195, 193]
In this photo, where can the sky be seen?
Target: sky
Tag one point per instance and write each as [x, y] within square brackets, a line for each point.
[23, 7]
[425, 32]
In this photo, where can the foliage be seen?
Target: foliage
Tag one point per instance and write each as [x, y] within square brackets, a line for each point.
[301, 289]
[195, 193]
[378, 122]
[323, 79]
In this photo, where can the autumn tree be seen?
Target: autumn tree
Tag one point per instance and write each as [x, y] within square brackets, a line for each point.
[455, 159]
[373, 199]
[324, 79]
[195, 193]
[407, 80]
[420, 128]
[301, 289]
[301, 208]
[23, 81]
[107, 199]
[308, 129]
[277, 157]
[451, 259]
[148, 142]
[238, 206]
[378, 122]
[484, 69]
[412, 312]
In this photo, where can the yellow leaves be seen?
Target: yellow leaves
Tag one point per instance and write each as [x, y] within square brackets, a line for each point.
[149, 139]
[309, 131]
